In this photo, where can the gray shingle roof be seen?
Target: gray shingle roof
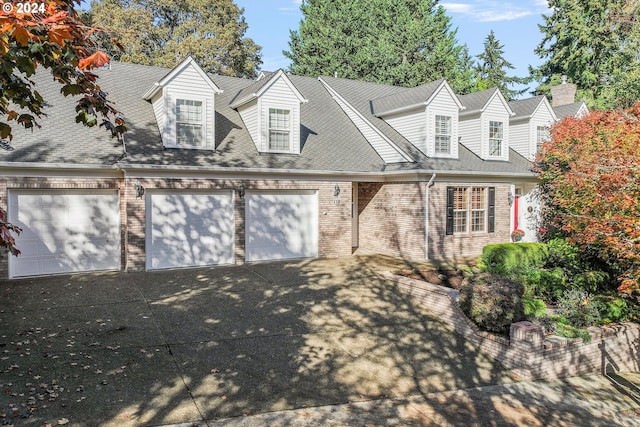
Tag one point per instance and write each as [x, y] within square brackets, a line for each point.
[476, 101]
[330, 141]
[563, 111]
[525, 107]
[405, 98]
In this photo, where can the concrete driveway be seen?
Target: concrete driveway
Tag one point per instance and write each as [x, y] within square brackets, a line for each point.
[157, 348]
[187, 345]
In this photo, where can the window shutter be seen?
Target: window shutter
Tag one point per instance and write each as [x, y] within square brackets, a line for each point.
[492, 209]
[449, 210]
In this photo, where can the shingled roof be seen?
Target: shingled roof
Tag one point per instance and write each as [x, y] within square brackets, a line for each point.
[330, 142]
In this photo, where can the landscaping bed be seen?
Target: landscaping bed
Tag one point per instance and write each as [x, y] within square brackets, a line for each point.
[449, 278]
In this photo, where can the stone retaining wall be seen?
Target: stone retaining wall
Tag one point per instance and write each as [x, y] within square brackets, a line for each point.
[527, 351]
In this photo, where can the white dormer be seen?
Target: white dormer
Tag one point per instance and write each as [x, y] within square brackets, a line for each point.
[270, 110]
[427, 116]
[484, 124]
[529, 127]
[184, 106]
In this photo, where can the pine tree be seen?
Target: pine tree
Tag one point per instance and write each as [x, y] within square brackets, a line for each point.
[583, 39]
[492, 69]
[164, 32]
[407, 42]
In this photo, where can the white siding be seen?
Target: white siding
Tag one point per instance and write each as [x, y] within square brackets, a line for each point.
[279, 95]
[442, 104]
[159, 111]
[189, 84]
[412, 125]
[470, 133]
[520, 137]
[495, 111]
[542, 117]
[250, 118]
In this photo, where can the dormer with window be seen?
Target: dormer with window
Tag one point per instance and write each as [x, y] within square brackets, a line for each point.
[484, 124]
[427, 116]
[184, 107]
[270, 109]
[529, 127]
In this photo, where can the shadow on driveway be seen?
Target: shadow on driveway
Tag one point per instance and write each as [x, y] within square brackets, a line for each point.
[203, 344]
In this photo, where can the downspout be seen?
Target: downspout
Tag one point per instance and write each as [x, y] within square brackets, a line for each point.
[426, 218]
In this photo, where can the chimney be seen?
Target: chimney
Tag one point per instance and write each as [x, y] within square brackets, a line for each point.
[563, 94]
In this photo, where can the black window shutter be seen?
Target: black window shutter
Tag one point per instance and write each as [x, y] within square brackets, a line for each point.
[449, 210]
[492, 209]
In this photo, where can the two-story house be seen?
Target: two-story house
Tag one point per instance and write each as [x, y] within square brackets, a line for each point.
[220, 170]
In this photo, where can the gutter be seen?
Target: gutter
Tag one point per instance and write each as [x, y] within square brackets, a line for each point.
[426, 216]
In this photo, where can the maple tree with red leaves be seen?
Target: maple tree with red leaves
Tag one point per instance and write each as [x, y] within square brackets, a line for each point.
[53, 37]
[49, 35]
[590, 185]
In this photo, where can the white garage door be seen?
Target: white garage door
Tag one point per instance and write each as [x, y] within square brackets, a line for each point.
[281, 225]
[188, 230]
[65, 231]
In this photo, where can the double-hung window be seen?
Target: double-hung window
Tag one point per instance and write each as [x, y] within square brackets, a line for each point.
[189, 123]
[542, 136]
[443, 135]
[495, 139]
[279, 129]
[470, 210]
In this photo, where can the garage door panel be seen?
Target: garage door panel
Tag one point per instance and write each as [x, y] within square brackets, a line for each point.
[65, 231]
[186, 230]
[282, 225]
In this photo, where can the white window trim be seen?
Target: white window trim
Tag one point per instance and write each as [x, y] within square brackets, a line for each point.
[469, 212]
[208, 145]
[436, 153]
[293, 113]
[502, 140]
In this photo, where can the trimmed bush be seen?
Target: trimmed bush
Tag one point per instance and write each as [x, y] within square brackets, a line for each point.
[613, 309]
[534, 308]
[546, 284]
[492, 302]
[512, 258]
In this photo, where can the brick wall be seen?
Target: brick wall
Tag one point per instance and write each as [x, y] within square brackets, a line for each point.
[392, 218]
[528, 352]
[460, 246]
[334, 213]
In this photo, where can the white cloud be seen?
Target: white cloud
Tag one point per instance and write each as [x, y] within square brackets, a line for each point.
[494, 11]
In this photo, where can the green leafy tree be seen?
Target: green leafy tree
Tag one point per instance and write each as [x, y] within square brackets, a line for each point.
[164, 32]
[590, 186]
[406, 43]
[492, 67]
[585, 40]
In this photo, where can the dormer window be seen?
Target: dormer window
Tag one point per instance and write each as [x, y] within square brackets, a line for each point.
[495, 139]
[279, 130]
[189, 123]
[542, 136]
[443, 135]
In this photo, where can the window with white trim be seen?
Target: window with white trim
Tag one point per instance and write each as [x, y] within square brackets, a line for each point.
[495, 138]
[189, 123]
[542, 136]
[443, 135]
[470, 210]
[279, 129]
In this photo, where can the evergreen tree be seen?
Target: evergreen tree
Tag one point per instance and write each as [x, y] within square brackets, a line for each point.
[492, 69]
[164, 32]
[584, 40]
[406, 42]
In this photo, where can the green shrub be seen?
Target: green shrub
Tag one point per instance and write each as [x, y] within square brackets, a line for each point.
[492, 302]
[613, 309]
[534, 308]
[512, 258]
[546, 284]
[560, 326]
[564, 255]
[579, 308]
[591, 281]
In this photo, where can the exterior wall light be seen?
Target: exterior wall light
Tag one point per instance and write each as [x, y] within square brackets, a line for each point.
[139, 189]
[336, 191]
[241, 190]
